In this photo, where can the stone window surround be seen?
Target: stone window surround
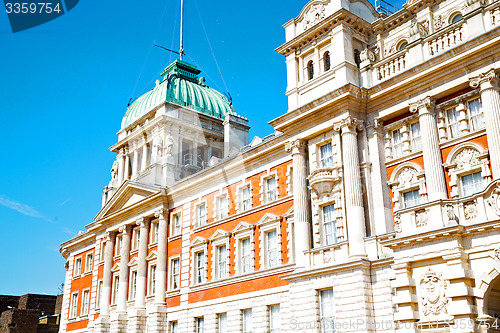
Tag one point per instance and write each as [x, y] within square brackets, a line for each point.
[78, 258]
[218, 239]
[197, 204]
[263, 186]
[73, 308]
[318, 203]
[132, 268]
[118, 246]
[314, 146]
[135, 240]
[239, 197]
[151, 259]
[416, 181]
[289, 179]
[268, 223]
[243, 231]
[115, 273]
[198, 245]
[456, 171]
[172, 226]
[461, 103]
[152, 241]
[218, 210]
[404, 124]
[322, 222]
[85, 311]
[170, 273]
[86, 270]
[98, 294]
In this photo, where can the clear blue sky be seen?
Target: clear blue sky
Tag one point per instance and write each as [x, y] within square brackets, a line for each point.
[64, 90]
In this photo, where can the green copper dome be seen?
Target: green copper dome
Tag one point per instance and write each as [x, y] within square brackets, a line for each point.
[181, 86]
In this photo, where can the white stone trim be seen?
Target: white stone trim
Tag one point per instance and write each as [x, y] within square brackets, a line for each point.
[170, 272]
[217, 211]
[407, 177]
[197, 204]
[289, 179]
[336, 198]
[405, 126]
[474, 159]
[263, 186]
[239, 197]
[198, 245]
[218, 239]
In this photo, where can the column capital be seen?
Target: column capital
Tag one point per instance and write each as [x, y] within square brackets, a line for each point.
[348, 125]
[109, 235]
[297, 146]
[375, 126]
[125, 229]
[424, 105]
[488, 80]
[142, 221]
[161, 213]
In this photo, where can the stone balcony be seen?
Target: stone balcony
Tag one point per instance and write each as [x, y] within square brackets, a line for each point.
[322, 180]
[478, 208]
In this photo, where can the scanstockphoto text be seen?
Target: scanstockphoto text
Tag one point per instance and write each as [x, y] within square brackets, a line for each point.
[330, 326]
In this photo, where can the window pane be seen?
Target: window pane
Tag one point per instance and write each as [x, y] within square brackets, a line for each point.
[275, 317]
[452, 118]
[272, 192]
[246, 258]
[223, 323]
[222, 257]
[326, 156]
[246, 198]
[200, 325]
[472, 183]
[200, 264]
[416, 142]
[329, 224]
[247, 321]
[397, 143]
[411, 198]
[476, 114]
[327, 309]
[272, 249]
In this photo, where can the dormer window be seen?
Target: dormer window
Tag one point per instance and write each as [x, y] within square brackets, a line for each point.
[402, 45]
[310, 70]
[326, 59]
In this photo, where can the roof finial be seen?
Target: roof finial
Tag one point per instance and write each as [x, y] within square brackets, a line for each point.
[181, 50]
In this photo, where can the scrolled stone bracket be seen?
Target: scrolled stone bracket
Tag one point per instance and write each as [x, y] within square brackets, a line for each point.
[484, 81]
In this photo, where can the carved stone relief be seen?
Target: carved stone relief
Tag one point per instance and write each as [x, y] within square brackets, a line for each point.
[421, 218]
[397, 223]
[470, 210]
[493, 200]
[407, 176]
[315, 14]
[169, 143]
[433, 293]
[438, 22]
[467, 158]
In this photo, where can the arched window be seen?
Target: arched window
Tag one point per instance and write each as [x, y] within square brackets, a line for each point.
[357, 58]
[455, 18]
[310, 69]
[402, 45]
[326, 59]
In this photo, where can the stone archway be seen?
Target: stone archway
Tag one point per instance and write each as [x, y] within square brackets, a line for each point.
[492, 299]
[488, 302]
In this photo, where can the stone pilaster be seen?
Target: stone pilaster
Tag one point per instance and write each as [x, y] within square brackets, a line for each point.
[126, 171]
[380, 196]
[102, 324]
[488, 84]
[302, 219]
[353, 187]
[121, 167]
[135, 163]
[434, 172]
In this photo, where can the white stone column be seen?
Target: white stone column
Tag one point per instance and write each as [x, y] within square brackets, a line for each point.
[107, 275]
[140, 299]
[301, 68]
[302, 219]
[488, 84]
[124, 259]
[433, 163]
[144, 161]
[121, 167]
[353, 187]
[317, 60]
[161, 266]
[135, 163]
[126, 172]
[380, 196]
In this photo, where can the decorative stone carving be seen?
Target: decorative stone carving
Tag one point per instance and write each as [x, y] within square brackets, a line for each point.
[169, 144]
[327, 257]
[438, 22]
[158, 146]
[397, 223]
[315, 14]
[467, 158]
[367, 54]
[298, 144]
[470, 210]
[493, 200]
[496, 254]
[417, 28]
[489, 76]
[349, 122]
[421, 218]
[114, 171]
[390, 50]
[433, 293]
[322, 181]
[427, 102]
[407, 176]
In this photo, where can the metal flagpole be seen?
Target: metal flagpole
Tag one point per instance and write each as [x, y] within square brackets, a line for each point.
[181, 50]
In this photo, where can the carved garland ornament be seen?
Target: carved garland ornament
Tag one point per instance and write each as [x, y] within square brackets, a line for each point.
[315, 14]
[421, 218]
[467, 157]
[493, 200]
[407, 176]
[470, 210]
[433, 293]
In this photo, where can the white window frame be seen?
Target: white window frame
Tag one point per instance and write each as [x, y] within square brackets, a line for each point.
[326, 317]
[84, 308]
[73, 313]
[240, 199]
[173, 327]
[465, 120]
[407, 144]
[151, 282]
[199, 324]
[268, 223]
[118, 245]
[244, 320]
[407, 177]
[198, 245]
[274, 323]
[221, 209]
[136, 236]
[222, 322]
[219, 239]
[324, 224]
[114, 288]
[242, 232]
[201, 220]
[264, 187]
[173, 273]
[325, 161]
[132, 289]
[176, 225]
[99, 294]
[87, 268]
[465, 159]
[77, 269]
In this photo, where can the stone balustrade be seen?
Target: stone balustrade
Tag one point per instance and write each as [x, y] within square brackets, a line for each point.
[478, 208]
[446, 39]
[391, 66]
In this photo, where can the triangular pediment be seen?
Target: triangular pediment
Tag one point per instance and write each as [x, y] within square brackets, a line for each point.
[219, 234]
[198, 241]
[116, 267]
[133, 262]
[268, 218]
[152, 256]
[242, 226]
[128, 194]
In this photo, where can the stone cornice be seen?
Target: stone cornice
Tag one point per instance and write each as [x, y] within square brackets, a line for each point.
[346, 266]
[323, 28]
